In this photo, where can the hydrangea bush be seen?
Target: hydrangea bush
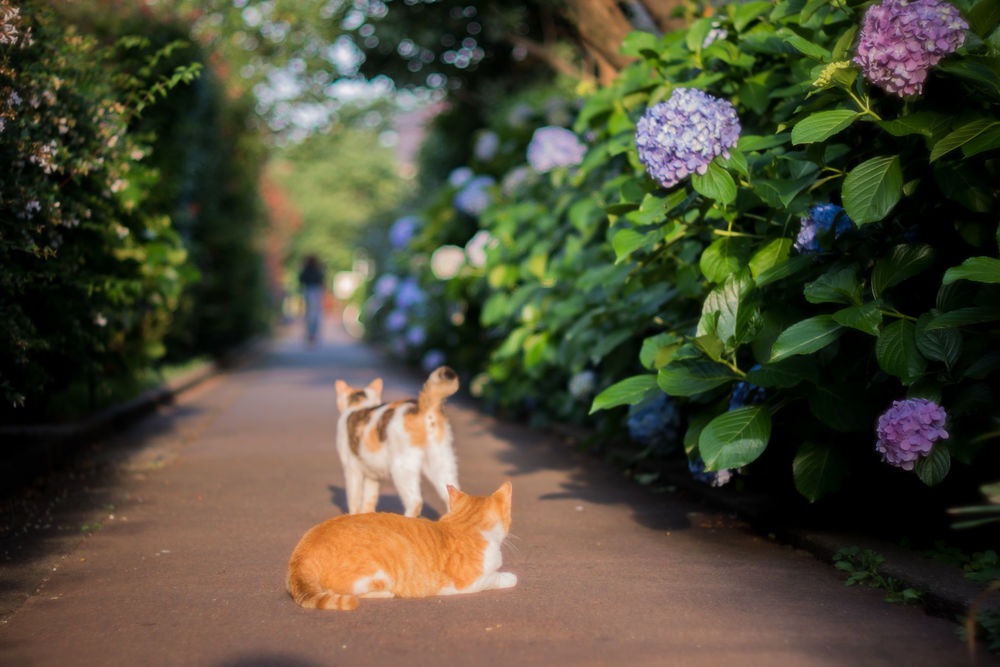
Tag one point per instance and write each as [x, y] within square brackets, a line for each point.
[764, 232]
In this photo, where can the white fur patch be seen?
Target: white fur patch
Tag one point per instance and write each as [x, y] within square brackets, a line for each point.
[363, 585]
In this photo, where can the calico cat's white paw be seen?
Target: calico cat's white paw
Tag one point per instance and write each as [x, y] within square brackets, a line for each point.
[505, 579]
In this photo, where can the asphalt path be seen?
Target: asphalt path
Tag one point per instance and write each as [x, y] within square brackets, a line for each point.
[183, 562]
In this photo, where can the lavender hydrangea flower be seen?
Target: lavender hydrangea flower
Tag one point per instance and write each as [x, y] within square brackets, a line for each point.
[818, 225]
[416, 336]
[409, 294]
[901, 40]
[486, 146]
[395, 321]
[683, 135]
[432, 359]
[716, 478]
[582, 384]
[475, 196]
[403, 230]
[459, 176]
[553, 147]
[654, 421]
[386, 285]
[908, 430]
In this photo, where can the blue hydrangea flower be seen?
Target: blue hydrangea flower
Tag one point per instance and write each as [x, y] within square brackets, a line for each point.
[745, 394]
[582, 384]
[431, 360]
[486, 146]
[553, 147]
[459, 176]
[683, 135]
[654, 421]
[395, 321]
[718, 478]
[403, 230]
[901, 40]
[908, 430]
[386, 285]
[475, 196]
[409, 294]
[818, 225]
[416, 335]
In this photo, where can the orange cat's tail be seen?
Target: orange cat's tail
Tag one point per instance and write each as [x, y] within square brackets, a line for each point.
[309, 596]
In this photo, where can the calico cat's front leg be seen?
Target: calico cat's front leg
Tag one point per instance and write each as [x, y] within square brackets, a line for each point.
[353, 481]
[369, 494]
[500, 580]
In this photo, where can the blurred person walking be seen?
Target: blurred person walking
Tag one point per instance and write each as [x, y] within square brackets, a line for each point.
[311, 280]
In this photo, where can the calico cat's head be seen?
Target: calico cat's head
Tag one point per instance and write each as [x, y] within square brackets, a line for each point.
[350, 398]
[484, 512]
[442, 382]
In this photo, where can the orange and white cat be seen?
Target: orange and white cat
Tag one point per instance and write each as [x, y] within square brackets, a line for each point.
[381, 554]
[398, 440]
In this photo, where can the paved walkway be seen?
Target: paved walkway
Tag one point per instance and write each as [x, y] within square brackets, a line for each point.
[188, 565]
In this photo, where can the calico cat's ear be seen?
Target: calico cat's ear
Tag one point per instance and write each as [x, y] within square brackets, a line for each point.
[341, 386]
[376, 386]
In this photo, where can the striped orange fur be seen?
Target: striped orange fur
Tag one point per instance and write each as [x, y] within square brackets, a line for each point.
[387, 555]
[398, 440]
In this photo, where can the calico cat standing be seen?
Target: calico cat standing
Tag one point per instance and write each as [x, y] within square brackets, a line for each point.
[397, 440]
[387, 555]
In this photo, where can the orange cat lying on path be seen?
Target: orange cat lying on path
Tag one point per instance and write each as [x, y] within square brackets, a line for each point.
[388, 555]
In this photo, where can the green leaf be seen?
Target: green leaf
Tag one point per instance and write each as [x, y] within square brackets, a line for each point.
[730, 310]
[872, 189]
[722, 258]
[783, 270]
[921, 122]
[866, 317]
[963, 317]
[934, 467]
[752, 142]
[897, 354]
[822, 125]
[697, 32]
[937, 344]
[746, 12]
[693, 376]
[735, 438]
[834, 287]
[984, 16]
[976, 269]
[834, 405]
[626, 241]
[818, 469]
[805, 337]
[629, 391]
[716, 183]
[804, 46]
[904, 261]
[652, 352]
[695, 426]
[774, 253]
[961, 136]
[783, 374]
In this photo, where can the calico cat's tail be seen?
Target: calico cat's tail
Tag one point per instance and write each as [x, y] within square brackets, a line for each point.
[309, 596]
[440, 384]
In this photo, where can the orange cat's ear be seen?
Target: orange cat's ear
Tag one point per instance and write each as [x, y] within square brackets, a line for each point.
[453, 495]
[341, 386]
[505, 491]
[376, 385]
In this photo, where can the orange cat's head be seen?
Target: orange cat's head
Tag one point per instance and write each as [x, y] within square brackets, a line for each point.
[482, 511]
[441, 383]
[350, 398]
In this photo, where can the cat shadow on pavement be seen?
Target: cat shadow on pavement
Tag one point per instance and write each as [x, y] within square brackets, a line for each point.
[386, 503]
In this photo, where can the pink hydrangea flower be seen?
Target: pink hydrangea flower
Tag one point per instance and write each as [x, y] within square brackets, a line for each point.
[908, 430]
[901, 40]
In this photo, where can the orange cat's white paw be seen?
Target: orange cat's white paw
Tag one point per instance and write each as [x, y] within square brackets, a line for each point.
[505, 579]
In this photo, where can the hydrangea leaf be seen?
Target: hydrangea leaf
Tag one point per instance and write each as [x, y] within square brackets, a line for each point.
[695, 426]
[732, 308]
[627, 241]
[934, 467]
[783, 270]
[976, 269]
[823, 125]
[743, 13]
[961, 136]
[774, 253]
[722, 258]
[920, 122]
[693, 376]
[715, 183]
[806, 337]
[943, 345]
[629, 391]
[836, 407]
[866, 317]
[639, 43]
[903, 261]
[987, 141]
[818, 469]
[897, 353]
[834, 287]
[751, 142]
[872, 189]
[963, 317]
[804, 46]
[783, 374]
[984, 16]
[735, 438]
[657, 350]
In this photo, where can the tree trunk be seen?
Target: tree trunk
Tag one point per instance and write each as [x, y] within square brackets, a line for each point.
[662, 12]
[602, 27]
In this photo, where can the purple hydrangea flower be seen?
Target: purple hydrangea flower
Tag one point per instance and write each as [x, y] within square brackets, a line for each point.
[717, 478]
[402, 231]
[819, 223]
[386, 285]
[475, 196]
[654, 421]
[901, 40]
[486, 146]
[409, 293]
[431, 360]
[908, 430]
[553, 147]
[459, 176]
[416, 335]
[683, 135]
[395, 321]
